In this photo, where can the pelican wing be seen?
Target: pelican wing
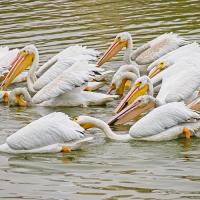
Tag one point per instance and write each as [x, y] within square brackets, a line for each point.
[73, 77]
[160, 46]
[162, 118]
[50, 129]
[179, 85]
[61, 62]
[183, 52]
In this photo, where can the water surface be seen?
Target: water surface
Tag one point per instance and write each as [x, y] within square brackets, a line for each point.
[103, 169]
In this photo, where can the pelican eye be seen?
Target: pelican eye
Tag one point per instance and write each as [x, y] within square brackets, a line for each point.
[118, 39]
[138, 83]
[75, 119]
[24, 52]
[162, 65]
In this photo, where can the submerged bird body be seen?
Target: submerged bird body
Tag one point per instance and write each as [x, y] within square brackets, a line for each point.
[46, 135]
[78, 97]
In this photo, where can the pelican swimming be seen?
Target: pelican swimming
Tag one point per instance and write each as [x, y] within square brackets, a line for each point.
[145, 54]
[162, 117]
[50, 134]
[166, 122]
[66, 89]
[189, 53]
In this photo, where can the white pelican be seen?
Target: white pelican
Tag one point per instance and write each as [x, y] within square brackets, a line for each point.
[145, 54]
[161, 117]
[50, 134]
[65, 89]
[187, 53]
[124, 78]
[166, 122]
[176, 86]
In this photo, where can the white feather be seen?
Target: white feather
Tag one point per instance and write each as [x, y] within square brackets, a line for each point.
[159, 47]
[61, 62]
[73, 77]
[161, 119]
[182, 53]
[48, 130]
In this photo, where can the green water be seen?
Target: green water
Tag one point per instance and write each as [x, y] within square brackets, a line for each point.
[104, 169]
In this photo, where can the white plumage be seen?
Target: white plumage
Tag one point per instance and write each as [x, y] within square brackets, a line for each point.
[62, 61]
[144, 54]
[46, 134]
[78, 97]
[183, 53]
[61, 76]
[179, 82]
[166, 122]
[158, 47]
[161, 119]
[73, 77]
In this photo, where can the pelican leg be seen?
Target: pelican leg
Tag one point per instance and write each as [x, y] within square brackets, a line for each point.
[65, 149]
[187, 133]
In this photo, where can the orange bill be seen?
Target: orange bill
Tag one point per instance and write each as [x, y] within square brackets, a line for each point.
[133, 94]
[22, 62]
[131, 112]
[156, 70]
[114, 48]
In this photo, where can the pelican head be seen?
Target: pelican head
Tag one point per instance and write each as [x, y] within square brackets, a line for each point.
[140, 106]
[141, 87]
[88, 122]
[121, 40]
[159, 67]
[25, 59]
[20, 97]
[121, 82]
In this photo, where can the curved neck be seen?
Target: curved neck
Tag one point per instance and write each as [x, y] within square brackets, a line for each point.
[107, 130]
[129, 76]
[31, 77]
[128, 51]
[18, 92]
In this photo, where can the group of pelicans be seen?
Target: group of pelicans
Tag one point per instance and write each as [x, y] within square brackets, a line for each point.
[158, 86]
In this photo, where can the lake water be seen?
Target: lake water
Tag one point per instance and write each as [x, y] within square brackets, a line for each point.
[104, 169]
